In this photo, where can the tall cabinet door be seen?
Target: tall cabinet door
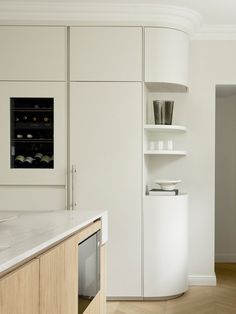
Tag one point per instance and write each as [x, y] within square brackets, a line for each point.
[105, 145]
[33, 121]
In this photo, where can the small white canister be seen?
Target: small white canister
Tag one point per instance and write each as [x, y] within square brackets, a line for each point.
[160, 145]
[170, 145]
[152, 145]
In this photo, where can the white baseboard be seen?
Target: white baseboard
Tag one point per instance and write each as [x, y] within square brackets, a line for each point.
[192, 280]
[225, 258]
[202, 280]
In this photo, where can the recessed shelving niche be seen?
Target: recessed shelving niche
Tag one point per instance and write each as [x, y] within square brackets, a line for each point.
[164, 162]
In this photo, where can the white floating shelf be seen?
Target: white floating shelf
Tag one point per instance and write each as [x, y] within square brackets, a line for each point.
[165, 152]
[165, 128]
[159, 87]
[156, 196]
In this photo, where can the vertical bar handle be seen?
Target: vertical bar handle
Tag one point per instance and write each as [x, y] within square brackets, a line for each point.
[73, 196]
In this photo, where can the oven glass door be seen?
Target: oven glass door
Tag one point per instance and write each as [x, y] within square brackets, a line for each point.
[89, 271]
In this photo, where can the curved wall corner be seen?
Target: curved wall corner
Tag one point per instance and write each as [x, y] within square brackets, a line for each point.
[165, 246]
[166, 59]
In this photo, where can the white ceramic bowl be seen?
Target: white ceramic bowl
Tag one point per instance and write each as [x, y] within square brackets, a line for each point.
[167, 185]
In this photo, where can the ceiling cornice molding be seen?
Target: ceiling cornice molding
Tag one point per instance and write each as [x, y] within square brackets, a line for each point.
[72, 13]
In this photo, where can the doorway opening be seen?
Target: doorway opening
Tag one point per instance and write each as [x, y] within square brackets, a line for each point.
[225, 182]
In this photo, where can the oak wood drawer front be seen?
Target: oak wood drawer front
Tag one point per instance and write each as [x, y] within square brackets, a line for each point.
[58, 279]
[19, 290]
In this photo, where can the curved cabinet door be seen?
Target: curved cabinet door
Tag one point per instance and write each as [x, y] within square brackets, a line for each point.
[165, 245]
[166, 59]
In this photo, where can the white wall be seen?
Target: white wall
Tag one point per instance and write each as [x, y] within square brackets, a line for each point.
[211, 63]
[25, 197]
[225, 196]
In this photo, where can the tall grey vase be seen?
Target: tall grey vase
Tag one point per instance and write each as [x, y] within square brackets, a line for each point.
[168, 107]
[163, 111]
[157, 108]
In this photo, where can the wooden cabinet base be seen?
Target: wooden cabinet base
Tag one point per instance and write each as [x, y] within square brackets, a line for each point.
[49, 283]
[95, 305]
[58, 279]
[19, 291]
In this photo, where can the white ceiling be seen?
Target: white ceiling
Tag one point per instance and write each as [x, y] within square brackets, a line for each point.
[212, 11]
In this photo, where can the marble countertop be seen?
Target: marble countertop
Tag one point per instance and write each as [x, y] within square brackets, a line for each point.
[31, 232]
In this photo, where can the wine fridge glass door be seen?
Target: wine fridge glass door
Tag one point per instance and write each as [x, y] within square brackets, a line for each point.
[89, 271]
[32, 132]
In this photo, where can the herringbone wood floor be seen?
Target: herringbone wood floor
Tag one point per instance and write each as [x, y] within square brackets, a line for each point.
[198, 300]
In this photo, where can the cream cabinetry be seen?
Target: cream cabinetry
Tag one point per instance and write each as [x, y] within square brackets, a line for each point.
[19, 291]
[165, 217]
[33, 63]
[105, 144]
[55, 176]
[106, 54]
[165, 245]
[166, 59]
[33, 53]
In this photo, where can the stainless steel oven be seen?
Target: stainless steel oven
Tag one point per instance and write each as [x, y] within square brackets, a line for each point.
[89, 271]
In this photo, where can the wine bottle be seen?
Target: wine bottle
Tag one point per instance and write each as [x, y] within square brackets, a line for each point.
[28, 161]
[19, 136]
[29, 136]
[46, 120]
[34, 119]
[44, 162]
[19, 160]
[38, 156]
[25, 118]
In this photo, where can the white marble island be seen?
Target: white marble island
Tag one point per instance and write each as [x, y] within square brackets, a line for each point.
[33, 232]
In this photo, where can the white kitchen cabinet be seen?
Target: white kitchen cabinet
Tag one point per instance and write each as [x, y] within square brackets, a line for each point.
[165, 245]
[105, 144]
[33, 53]
[26, 90]
[106, 54]
[166, 59]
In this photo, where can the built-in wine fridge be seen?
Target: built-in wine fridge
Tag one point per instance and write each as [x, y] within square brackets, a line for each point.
[89, 271]
[32, 132]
